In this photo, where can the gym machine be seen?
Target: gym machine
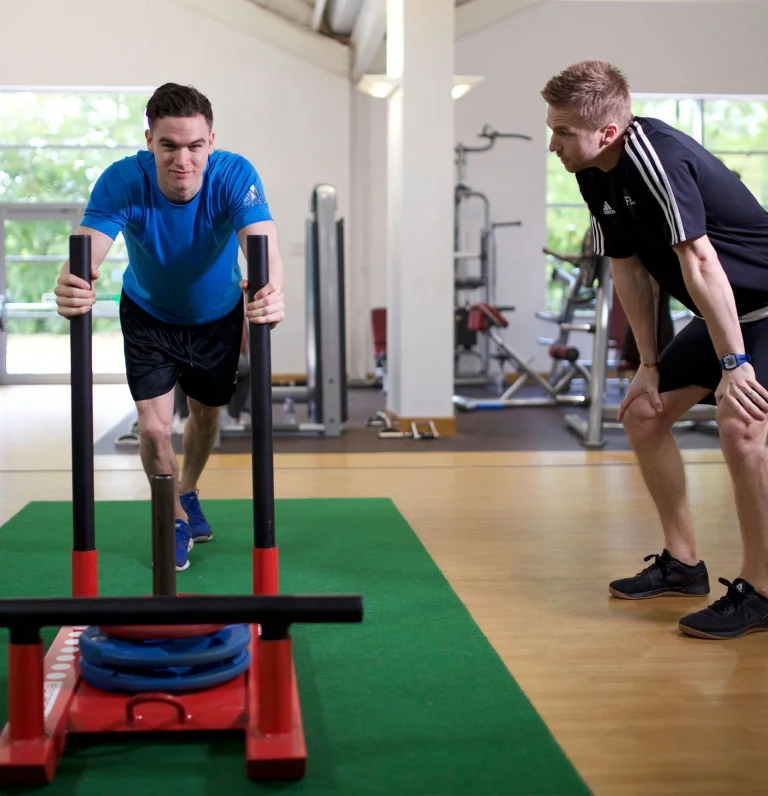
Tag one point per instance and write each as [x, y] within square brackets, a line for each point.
[578, 304]
[488, 320]
[326, 314]
[325, 393]
[474, 271]
[567, 364]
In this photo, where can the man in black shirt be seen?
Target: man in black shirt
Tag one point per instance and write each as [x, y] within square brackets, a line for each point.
[663, 207]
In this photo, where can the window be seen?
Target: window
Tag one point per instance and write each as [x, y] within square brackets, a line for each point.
[54, 147]
[733, 129]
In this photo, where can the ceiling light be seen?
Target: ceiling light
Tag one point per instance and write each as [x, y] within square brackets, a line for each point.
[382, 86]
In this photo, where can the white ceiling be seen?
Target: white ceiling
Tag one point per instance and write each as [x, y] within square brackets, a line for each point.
[336, 18]
[332, 17]
[346, 37]
[299, 11]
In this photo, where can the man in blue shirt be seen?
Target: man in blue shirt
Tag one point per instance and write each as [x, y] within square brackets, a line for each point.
[664, 207]
[184, 210]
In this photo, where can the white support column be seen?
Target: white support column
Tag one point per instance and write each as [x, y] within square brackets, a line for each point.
[420, 312]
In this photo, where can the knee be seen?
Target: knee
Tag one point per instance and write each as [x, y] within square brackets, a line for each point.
[642, 423]
[737, 438]
[154, 430]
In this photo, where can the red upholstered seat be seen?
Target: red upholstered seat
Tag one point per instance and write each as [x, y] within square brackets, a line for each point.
[482, 316]
[379, 328]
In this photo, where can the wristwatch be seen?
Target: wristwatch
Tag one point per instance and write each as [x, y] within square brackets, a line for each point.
[732, 361]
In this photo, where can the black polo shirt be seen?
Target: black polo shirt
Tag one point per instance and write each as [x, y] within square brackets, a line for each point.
[665, 189]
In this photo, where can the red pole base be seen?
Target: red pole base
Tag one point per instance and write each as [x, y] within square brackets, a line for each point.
[265, 572]
[275, 673]
[26, 721]
[85, 573]
[29, 758]
[275, 745]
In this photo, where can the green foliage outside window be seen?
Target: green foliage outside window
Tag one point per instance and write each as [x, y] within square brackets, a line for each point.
[55, 146]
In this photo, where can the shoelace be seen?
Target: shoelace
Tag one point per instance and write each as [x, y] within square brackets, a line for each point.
[195, 511]
[730, 601]
[659, 562]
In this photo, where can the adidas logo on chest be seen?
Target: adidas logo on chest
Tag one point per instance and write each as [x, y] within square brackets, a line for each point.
[608, 210]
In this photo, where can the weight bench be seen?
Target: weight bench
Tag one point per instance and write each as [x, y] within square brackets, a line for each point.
[488, 319]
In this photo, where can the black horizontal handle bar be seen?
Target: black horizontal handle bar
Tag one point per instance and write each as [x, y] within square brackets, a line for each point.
[283, 609]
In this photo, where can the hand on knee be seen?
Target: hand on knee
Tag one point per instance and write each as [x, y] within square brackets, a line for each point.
[642, 421]
[738, 436]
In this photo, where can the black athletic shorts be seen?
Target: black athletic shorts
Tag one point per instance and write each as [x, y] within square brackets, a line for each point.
[690, 357]
[202, 358]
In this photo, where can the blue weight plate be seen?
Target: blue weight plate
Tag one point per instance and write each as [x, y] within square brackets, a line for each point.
[114, 652]
[172, 681]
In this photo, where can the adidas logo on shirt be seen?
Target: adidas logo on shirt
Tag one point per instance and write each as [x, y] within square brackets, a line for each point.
[608, 210]
[253, 197]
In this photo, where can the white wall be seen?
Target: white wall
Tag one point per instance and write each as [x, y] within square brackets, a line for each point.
[662, 47]
[291, 119]
[367, 274]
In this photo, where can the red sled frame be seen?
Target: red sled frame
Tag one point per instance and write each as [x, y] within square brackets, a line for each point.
[49, 702]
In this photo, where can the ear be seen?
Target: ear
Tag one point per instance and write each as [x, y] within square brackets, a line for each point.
[609, 133]
[211, 139]
[148, 137]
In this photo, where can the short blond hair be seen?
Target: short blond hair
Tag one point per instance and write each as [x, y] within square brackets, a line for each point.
[596, 90]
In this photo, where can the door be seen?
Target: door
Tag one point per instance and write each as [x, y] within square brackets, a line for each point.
[34, 340]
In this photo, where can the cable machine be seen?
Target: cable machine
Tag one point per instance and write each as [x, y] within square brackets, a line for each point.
[474, 270]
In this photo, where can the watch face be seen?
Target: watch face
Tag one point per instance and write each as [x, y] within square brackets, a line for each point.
[729, 360]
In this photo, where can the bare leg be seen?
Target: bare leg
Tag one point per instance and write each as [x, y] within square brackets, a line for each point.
[199, 438]
[662, 465]
[745, 454]
[157, 455]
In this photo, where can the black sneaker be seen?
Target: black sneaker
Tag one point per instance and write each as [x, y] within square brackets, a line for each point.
[743, 610]
[666, 576]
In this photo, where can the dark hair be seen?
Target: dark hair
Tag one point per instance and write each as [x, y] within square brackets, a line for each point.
[596, 90]
[171, 99]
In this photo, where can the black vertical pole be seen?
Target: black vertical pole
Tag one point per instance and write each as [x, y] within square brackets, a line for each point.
[163, 535]
[81, 380]
[261, 402]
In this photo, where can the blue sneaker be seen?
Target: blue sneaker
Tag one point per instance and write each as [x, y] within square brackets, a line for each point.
[184, 544]
[198, 525]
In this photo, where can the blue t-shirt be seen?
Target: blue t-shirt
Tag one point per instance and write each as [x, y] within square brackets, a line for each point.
[183, 266]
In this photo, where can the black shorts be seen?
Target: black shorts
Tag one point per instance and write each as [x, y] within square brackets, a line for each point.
[202, 358]
[690, 358]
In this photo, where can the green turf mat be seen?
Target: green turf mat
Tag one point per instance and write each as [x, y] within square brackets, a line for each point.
[412, 701]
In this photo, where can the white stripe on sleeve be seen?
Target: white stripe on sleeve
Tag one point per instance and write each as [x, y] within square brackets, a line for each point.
[645, 158]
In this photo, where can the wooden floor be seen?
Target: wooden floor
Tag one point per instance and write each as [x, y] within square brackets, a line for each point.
[528, 541]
